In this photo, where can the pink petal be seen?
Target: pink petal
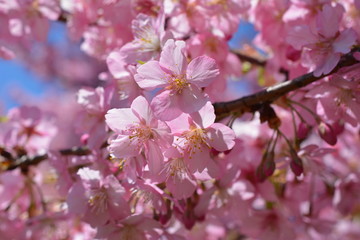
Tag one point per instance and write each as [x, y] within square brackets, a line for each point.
[155, 157]
[140, 107]
[118, 206]
[202, 71]
[300, 36]
[116, 65]
[198, 160]
[344, 42]
[164, 106]
[123, 147]
[88, 175]
[191, 99]
[97, 218]
[205, 116]
[330, 62]
[76, 199]
[295, 13]
[49, 9]
[118, 119]
[181, 188]
[179, 124]
[355, 108]
[151, 76]
[328, 20]
[172, 56]
[221, 137]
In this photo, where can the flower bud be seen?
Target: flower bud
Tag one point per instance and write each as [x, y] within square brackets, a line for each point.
[327, 133]
[296, 164]
[303, 130]
[266, 167]
[338, 127]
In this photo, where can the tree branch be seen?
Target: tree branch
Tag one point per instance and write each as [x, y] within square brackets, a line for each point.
[247, 58]
[253, 102]
[24, 162]
[255, 61]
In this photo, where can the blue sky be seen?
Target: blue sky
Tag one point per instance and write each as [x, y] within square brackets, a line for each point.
[14, 76]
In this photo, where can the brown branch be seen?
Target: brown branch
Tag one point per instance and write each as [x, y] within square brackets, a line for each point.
[247, 58]
[63, 17]
[75, 151]
[255, 61]
[253, 102]
[24, 162]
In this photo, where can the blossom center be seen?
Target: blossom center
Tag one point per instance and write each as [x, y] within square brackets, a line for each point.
[99, 201]
[128, 232]
[148, 39]
[178, 83]
[176, 168]
[141, 132]
[195, 138]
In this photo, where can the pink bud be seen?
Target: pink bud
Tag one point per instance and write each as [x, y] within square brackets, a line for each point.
[84, 138]
[338, 127]
[303, 130]
[296, 164]
[164, 218]
[292, 54]
[327, 133]
[267, 167]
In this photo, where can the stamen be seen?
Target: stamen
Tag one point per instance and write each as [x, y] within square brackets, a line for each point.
[195, 139]
[140, 133]
[178, 83]
[176, 168]
[99, 201]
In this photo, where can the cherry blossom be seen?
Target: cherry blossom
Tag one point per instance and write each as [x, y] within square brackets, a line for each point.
[323, 46]
[97, 199]
[182, 81]
[138, 130]
[176, 120]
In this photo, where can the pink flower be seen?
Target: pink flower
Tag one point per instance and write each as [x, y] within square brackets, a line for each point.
[123, 77]
[95, 103]
[347, 194]
[182, 81]
[323, 46]
[138, 130]
[339, 98]
[225, 15]
[30, 18]
[197, 134]
[29, 128]
[97, 199]
[149, 37]
[150, 195]
[135, 227]
[179, 180]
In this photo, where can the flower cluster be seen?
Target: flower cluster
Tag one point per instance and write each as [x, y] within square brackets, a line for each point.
[153, 148]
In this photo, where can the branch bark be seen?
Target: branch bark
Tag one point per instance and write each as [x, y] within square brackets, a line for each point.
[24, 162]
[253, 102]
